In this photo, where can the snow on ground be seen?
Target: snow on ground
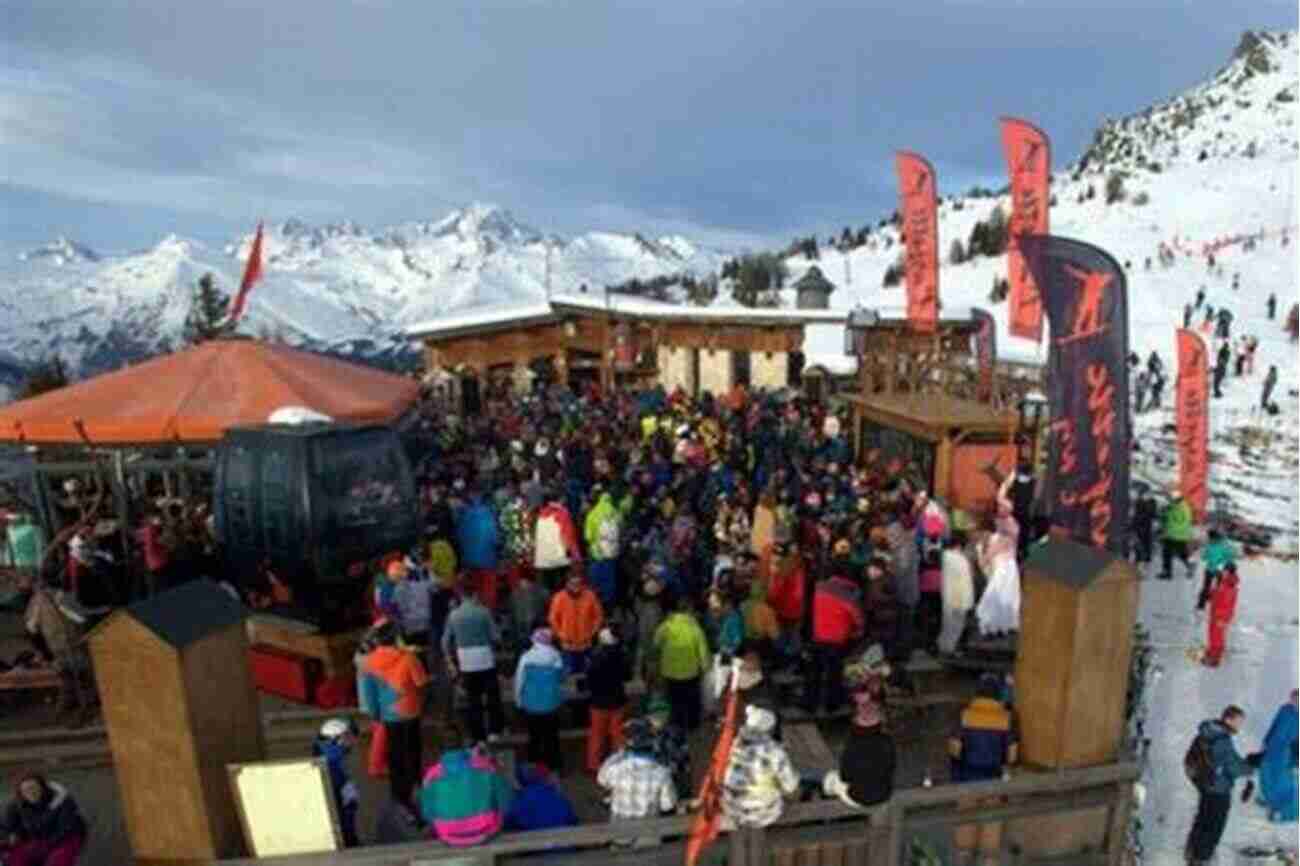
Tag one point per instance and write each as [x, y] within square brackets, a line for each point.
[1260, 667]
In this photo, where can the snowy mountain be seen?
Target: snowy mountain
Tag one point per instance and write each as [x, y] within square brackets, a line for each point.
[1244, 122]
[338, 287]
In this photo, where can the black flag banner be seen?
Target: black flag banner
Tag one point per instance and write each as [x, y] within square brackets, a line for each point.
[986, 350]
[1085, 297]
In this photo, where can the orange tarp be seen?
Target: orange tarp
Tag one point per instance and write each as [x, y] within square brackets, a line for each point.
[195, 394]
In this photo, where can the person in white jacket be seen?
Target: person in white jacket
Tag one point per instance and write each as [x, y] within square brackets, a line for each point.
[958, 593]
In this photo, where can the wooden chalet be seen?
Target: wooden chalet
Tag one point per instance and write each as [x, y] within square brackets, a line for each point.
[919, 405]
[618, 339]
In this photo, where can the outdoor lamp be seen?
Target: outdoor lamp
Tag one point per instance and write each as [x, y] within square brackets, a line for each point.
[1033, 406]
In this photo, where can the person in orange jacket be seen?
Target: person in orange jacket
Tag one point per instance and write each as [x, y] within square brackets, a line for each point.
[1223, 609]
[575, 617]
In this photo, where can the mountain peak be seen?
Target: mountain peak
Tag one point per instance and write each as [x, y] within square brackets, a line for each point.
[1241, 111]
[483, 219]
[61, 251]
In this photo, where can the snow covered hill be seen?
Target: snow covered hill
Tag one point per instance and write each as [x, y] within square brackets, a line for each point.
[337, 287]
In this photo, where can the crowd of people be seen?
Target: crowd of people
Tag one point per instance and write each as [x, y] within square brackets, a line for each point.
[633, 551]
[626, 551]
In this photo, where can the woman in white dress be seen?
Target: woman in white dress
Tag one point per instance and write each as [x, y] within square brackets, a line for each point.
[999, 607]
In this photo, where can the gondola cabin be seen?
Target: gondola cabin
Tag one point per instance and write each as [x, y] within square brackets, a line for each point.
[316, 503]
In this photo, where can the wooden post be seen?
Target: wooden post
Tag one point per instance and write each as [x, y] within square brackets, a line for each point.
[1117, 832]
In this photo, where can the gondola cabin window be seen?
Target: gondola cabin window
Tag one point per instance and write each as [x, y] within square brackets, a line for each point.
[240, 510]
[362, 480]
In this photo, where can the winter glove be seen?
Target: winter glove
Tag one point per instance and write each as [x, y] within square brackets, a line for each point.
[1254, 758]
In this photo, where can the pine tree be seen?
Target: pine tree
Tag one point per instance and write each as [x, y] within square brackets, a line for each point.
[208, 313]
[49, 375]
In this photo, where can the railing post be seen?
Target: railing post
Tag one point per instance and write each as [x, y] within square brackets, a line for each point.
[1117, 831]
[886, 834]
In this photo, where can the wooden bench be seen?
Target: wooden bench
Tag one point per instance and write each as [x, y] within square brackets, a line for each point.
[29, 679]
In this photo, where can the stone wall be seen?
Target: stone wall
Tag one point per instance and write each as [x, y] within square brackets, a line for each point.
[675, 369]
[768, 370]
[715, 371]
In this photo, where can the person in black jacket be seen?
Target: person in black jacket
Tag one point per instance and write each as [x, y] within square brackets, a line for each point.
[866, 773]
[43, 825]
[1022, 503]
[1221, 368]
[606, 681]
[1144, 516]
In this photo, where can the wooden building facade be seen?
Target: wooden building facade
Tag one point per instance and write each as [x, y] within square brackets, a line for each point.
[620, 340]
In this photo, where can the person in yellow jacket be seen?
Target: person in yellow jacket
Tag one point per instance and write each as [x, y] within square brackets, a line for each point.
[684, 658]
[601, 530]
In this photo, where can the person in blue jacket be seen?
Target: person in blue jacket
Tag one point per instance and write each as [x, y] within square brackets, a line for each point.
[539, 804]
[1225, 766]
[334, 742]
[981, 751]
[1277, 770]
[478, 538]
[539, 695]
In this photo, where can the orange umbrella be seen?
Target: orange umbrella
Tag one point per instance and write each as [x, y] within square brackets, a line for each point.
[196, 394]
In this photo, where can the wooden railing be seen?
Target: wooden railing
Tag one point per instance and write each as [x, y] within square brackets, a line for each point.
[807, 834]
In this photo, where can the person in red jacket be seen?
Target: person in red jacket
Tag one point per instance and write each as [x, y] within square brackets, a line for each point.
[783, 573]
[837, 625]
[1223, 609]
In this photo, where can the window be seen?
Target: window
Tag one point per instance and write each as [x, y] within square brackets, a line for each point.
[898, 451]
[740, 365]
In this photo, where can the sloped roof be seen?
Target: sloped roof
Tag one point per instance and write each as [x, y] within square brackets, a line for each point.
[195, 394]
[186, 614]
[494, 318]
[813, 278]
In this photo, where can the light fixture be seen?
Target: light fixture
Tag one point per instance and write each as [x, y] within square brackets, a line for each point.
[570, 329]
[1032, 406]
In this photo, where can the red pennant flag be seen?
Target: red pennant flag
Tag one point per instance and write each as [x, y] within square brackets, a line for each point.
[920, 226]
[705, 824]
[1029, 164]
[1191, 414]
[252, 273]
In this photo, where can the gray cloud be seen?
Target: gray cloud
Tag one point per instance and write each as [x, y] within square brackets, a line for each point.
[753, 119]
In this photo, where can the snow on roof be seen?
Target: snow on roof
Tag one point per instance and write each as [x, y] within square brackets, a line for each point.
[478, 318]
[483, 318]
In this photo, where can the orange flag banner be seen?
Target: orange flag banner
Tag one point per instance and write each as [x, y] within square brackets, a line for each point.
[1029, 165]
[1191, 414]
[920, 227]
[705, 824]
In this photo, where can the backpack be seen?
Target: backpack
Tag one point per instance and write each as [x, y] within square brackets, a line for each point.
[607, 538]
[1198, 763]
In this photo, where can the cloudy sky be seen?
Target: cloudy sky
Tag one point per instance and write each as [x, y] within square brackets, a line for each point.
[739, 121]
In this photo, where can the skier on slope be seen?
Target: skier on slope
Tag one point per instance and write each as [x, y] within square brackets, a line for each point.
[1221, 368]
[1224, 329]
[1270, 382]
[1140, 390]
[1272, 305]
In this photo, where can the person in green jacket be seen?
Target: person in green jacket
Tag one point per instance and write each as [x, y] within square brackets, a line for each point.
[1217, 555]
[683, 659]
[1176, 536]
[601, 531]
